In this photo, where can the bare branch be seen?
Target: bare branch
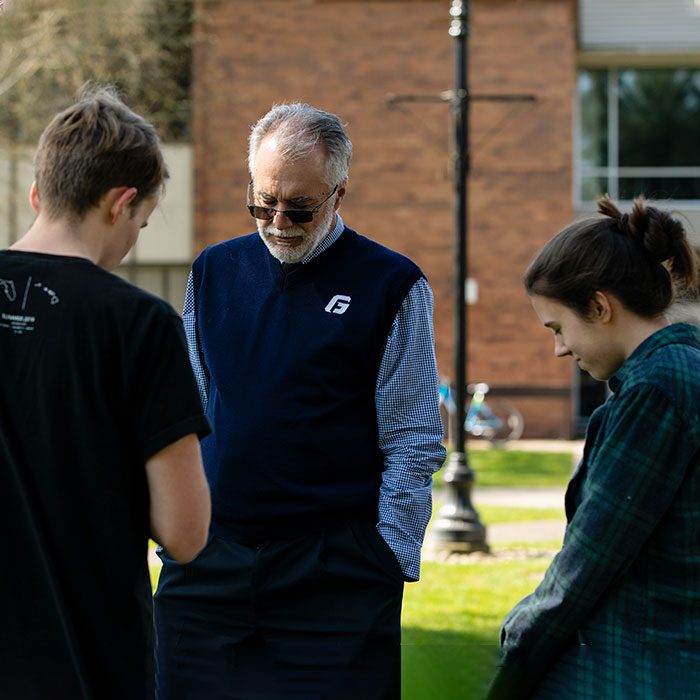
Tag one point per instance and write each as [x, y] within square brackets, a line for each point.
[48, 50]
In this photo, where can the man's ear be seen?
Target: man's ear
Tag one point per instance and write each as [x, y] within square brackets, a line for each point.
[602, 307]
[121, 196]
[34, 197]
[340, 194]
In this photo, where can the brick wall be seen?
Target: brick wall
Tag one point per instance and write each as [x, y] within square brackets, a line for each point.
[347, 57]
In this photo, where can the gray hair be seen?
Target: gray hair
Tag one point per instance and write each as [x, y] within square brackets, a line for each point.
[299, 128]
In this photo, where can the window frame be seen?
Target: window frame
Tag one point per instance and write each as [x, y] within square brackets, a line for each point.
[613, 172]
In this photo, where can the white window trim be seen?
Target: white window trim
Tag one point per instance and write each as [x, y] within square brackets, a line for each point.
[613, 171]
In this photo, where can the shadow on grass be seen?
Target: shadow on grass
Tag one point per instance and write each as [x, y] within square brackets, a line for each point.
[451, 623]
[447, 665]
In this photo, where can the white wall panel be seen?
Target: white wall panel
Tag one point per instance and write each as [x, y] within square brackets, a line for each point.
[16, 175]
[168, 236]
[166, 240]
[639, 25]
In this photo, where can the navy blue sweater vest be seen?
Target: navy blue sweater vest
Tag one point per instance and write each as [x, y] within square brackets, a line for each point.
[293, 362]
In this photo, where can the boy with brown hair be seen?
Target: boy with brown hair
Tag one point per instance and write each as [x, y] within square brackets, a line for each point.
[100, 419]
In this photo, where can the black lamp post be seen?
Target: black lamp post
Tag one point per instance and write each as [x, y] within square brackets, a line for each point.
[457, 527]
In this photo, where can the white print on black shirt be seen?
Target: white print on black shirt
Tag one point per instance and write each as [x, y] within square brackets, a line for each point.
[8, 286]
[16, 319]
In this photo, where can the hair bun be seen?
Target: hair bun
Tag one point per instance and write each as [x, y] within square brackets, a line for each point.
[662, 237]
[658, 230]
[654, 230]
[676, 230]
[623, 224]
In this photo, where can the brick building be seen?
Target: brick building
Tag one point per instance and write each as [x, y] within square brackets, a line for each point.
[348, 57]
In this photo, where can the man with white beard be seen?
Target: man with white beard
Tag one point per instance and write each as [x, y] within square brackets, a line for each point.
[313, 350]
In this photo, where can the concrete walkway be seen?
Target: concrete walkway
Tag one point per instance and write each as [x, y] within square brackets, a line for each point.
[503, 536]
[516, 533]
[519, 496]
[524, 497]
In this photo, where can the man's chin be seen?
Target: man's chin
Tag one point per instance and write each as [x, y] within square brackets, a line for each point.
[285, 257]
[287, 254]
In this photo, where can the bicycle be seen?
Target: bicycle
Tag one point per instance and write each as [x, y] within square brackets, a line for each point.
[496, 421]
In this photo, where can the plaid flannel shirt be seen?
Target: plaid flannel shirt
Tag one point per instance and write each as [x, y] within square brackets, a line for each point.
[618, 612]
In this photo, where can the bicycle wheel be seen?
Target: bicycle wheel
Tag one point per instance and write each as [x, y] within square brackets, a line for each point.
[511, 420]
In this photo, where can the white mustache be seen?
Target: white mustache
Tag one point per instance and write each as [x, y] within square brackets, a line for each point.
[288, 233]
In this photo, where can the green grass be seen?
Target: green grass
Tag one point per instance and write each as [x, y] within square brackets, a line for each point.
[452, 616]
[153, 567]
[451, 621]
[497, 467]
[510, 514]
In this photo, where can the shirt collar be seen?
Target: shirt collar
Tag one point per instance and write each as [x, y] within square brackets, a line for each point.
[327, 242]
[684, 333]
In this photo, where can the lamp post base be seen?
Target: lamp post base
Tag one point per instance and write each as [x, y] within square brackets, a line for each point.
[457, 527]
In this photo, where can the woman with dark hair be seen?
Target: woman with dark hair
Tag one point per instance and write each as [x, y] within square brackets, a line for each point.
[617, 615]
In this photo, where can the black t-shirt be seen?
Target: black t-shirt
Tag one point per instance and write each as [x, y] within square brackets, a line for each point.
[95, 380]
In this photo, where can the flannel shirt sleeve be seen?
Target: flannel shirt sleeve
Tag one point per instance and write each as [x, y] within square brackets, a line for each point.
[631, 481]
[410, 429]
[194, 346]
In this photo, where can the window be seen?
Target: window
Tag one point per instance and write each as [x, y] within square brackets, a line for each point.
[639, 133]
[589, 393]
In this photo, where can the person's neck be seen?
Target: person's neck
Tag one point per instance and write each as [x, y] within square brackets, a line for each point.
[639, 329]
[55, 237]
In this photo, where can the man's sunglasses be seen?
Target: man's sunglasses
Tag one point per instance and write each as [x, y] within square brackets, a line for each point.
[296, 216]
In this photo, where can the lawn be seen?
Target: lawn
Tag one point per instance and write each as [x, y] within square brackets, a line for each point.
[452, 616]
[451, 620]
[498, 467]
[510, 514]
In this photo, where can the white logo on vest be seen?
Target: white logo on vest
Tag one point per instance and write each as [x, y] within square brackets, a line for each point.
[338, 304]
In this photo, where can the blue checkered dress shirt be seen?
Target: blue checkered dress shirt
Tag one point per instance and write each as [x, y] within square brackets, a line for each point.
[408, 415]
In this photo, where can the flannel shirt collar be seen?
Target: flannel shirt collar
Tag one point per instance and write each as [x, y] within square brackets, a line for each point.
[684, 333]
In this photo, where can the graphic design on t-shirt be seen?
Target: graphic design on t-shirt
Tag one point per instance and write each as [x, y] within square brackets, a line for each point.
[16, 319]
[8, 286]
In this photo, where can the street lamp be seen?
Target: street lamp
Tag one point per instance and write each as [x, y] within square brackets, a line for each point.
[457, 527]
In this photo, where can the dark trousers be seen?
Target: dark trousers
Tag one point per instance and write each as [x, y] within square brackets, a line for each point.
[312, 618]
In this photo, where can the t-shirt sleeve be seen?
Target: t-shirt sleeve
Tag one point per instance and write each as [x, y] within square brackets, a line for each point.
[164, 401]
